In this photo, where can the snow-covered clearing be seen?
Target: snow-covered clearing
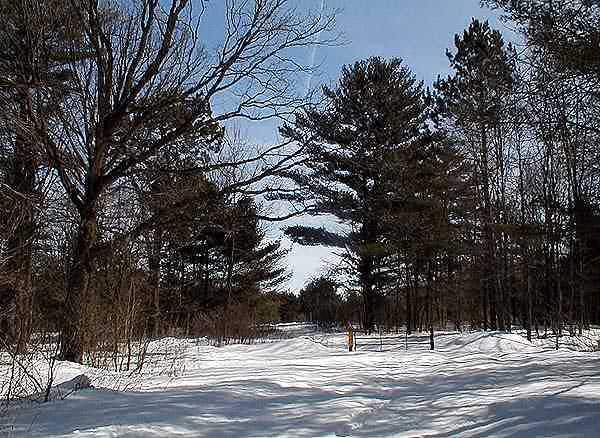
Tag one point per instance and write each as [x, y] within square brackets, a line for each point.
[473, 385]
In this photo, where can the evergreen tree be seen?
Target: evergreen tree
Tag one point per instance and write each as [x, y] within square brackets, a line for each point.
[320, 301]
[472, 107]
[428, 212]
[33, 76]
[375, 114]
[569, 30]
[217, 259]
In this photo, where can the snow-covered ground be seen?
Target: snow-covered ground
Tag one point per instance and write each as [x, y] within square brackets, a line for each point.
[473, 385]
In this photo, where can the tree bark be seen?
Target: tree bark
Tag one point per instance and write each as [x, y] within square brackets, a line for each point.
[17, 295]
[367, 270]
[81, 269]
[409, 303]
[430, 304]
[154, 267]
[529, 301]
[368, 298]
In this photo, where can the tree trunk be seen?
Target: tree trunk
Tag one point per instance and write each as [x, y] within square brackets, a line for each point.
[490, 268]
[154, 250]
[430, 304]
[154, 267]
[559, 304]
[72, 335]
[366, 276]
[493, 308]
[229, 285]
[16, 296]
[529, 302]
[484, 301]
[409, 304]
[525, 246]
[368, 300]
[581, 298]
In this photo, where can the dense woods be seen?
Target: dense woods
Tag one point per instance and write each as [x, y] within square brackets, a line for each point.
[473, 203]
[126, 208]
[131, 208]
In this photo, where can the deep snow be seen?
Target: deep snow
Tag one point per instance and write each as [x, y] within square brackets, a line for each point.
[473, 385]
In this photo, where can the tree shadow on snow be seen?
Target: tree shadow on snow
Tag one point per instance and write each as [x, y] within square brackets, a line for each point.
[486, 399]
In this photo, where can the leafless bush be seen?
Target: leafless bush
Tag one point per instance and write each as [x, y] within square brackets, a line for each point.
[28, 374]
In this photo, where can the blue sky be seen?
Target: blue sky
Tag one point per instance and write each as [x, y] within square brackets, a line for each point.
[418, 31]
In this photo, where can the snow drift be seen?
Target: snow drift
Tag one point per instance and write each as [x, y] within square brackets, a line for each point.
[473, 385]
[486, 342]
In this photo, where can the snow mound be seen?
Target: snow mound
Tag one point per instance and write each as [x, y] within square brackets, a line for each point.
[77, 383]
[63, 390]
[296, 326]
[589, 341]
[297, 347]
[489, 342]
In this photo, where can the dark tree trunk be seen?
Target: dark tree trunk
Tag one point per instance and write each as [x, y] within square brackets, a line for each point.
[490, 301]
[16, 298]
[409, 304]
[154, 267]
[559, 304]
[529, 302]
[430, 304]
[501, 300]
[81, 269]
[369, 305]
[493, 307]
[525, 248]
[485, 303]
[367, 274]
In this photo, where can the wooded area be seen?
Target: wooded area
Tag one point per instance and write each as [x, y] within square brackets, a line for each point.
[131, 209]
[473, 203]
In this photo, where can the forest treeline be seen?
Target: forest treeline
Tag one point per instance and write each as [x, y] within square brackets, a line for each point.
[132, 208]
[129, 211]
[473, 202]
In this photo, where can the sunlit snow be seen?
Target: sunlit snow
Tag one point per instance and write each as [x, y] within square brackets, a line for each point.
[473, 385]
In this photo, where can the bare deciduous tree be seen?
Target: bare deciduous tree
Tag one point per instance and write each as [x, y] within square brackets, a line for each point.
[149, 86]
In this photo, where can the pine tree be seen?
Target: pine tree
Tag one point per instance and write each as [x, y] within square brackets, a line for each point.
[429, 204]
[374, 115]
[569, 30]
[472, 106]
[149, 87]
[218, 257]
[33, 74]
[320, 301]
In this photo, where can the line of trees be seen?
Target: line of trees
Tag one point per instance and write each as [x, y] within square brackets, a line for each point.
[474, 202]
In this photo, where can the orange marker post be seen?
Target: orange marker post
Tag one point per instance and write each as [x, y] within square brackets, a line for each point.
[350, 337]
